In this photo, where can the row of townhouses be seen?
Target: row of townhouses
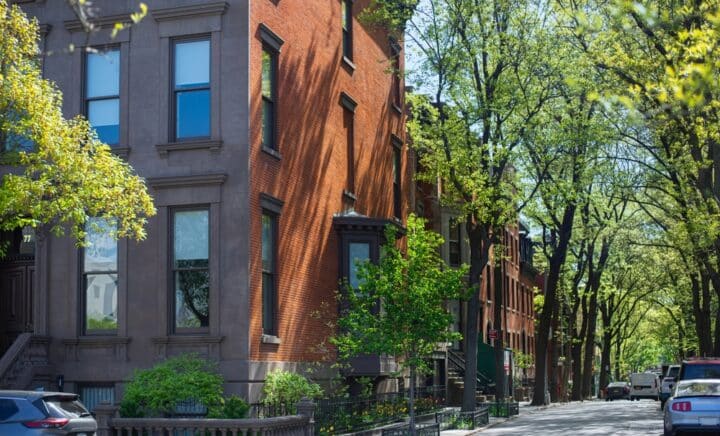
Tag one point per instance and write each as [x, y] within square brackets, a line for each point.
[271, 135]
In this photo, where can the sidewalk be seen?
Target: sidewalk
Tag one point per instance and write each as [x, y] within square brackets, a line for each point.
[525, 409]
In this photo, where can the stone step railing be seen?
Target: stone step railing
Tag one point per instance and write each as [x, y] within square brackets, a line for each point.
[26, 363]
[302, 424]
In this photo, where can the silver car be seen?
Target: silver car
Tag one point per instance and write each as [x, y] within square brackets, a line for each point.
[694, 406]
[26, 413]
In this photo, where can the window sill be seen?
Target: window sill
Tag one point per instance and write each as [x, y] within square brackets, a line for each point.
[202, 144]
[272, 152]
[349, 64]
[121, 152]
[270, 339]
[397, 109]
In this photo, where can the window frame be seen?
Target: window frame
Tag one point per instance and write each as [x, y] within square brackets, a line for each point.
[84, 91]
[84, 330]
[272, 329]
[174, 328]
[397, 178]
[174, 90]
[272, 99]
[346, 7]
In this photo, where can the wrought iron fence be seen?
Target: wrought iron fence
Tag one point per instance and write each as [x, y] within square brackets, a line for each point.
[503, 409]
[455, 419]
[353, 414]
[420, 430]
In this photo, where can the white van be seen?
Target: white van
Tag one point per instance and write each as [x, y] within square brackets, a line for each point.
[644, 385]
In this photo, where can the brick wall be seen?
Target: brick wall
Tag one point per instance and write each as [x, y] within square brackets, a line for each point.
[311, 174]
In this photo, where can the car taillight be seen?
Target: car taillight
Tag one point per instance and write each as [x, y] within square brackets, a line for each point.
[47, 423]
[682, 406]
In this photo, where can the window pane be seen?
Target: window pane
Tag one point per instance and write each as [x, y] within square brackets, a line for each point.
[192, 292]
[104, 116]
[101, 249]
[192, 114]
[103, 74]
[268, 243]
[344, 12]
[192, 64]
[358, 252]
[268, 314]
[100, 302]
[268, 124]
[192, 238]
[91, 396]
[268, 74]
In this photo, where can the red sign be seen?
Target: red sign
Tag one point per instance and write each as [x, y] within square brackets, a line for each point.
[493, 334]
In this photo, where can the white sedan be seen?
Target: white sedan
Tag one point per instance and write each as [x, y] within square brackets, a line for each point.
[694, 406]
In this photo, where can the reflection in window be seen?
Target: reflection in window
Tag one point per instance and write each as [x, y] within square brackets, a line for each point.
[100, 278]
[14, 134]
[191, 87]
[102, 94]
[358, 253]
[346, 12]
[269, 68]
[454, 244]
[269, 241]
[191, 273]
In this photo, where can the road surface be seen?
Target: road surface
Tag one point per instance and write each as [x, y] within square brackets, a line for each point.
[619, 418]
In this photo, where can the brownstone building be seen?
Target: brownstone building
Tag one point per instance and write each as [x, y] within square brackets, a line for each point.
[271, 136]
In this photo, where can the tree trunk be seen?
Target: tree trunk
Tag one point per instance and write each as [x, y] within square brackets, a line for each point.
[618, 354]
[411, 400]
[479, 248]
[554, 375]
[557, 259]
[576, 364]
[605, 357]
[589, 357]
[498, 305]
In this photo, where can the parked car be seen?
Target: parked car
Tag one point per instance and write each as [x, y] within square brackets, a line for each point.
[644, 385]
[618, 390]
[701, 367]
[30, 413]
[668, 383]
[694, 406]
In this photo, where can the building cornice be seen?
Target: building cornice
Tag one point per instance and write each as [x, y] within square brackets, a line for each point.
[181, 12]
[187, 181]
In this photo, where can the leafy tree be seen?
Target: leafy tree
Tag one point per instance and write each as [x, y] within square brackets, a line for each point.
[63, 174]
[399, 308]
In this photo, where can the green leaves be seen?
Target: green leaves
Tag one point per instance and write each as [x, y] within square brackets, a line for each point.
[399, 308]
[68, 175]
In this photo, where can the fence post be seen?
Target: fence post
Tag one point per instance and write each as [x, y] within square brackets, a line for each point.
[306, 407]
[103, 415]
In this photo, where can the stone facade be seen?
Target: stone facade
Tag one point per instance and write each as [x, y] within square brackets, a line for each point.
[339, 128]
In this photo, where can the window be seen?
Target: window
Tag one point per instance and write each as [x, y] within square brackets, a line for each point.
[190, 268]
[191, 89]
[397, 179]
[269, 272]
[395, 50]
[347, 28]
[92, 395]
[454, 238]
[358, 252]
[269, 92]
[102, 94]
[100, 277]
[349, 125]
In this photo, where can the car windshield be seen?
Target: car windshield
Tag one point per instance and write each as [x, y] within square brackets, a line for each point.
[65, 407]
[673, 372]
[695, 388]
[700, 370]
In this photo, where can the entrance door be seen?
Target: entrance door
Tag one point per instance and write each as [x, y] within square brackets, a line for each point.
[16, 280]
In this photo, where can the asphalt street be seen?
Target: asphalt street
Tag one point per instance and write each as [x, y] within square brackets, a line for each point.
[621, 418]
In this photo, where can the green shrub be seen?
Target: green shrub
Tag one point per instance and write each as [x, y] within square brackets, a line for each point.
[283, 387]
[155, 392]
